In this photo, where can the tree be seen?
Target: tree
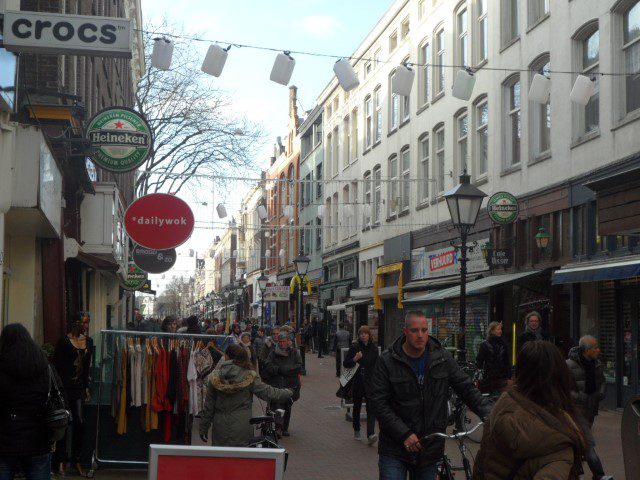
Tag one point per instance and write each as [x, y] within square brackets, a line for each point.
[194, 129]
[178, 294]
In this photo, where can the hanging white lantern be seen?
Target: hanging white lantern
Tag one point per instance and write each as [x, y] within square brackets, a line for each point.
[162, 53]
[262, 212]
[402, 81]
[463, 85]
[346, 74]
[267, 253]
[214, 61]
[222, 211]
[582, 90]
[540, 89]
[282, 68]
[321, 209]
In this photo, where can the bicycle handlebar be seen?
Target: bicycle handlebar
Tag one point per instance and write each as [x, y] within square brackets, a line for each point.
[455, 436]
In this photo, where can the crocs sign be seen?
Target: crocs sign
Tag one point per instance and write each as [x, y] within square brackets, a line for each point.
[41, 32]
[159, 221]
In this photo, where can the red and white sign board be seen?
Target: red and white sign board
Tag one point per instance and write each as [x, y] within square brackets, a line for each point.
[159, 221]
[170, 462]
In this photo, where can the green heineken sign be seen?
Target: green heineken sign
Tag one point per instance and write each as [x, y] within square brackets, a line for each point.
[503, 208]
[135, 278]
[121, 139]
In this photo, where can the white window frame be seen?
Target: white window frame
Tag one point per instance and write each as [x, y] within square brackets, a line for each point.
[481, 131]
[394, 106]
[590, 70]
[354, 135]
[462, 142]
[510, 21]
[439, 151]
[513, 113]
[424, 75]
[335, 219]
[393, 187]
[405, 103]
[626, 46]
[377, 105]
[404, 165]
[463, 53]
[538, 9]
[328, 233]
[368, 111]
[346, 219]
[354, 205]
[405, 28]
[376, 58]
[367, 198]
[329, 155]
[438, 62]
[482, 31]
[540, 115]
[424, 151]
[377, 194]
[346, 141]
[335, 156]
[393, 41]
[421, 9]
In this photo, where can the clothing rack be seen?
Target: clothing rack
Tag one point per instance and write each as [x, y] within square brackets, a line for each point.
[220, 344]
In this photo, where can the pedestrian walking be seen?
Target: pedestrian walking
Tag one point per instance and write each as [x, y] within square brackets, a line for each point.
[193, 325]
[493, 360]
[314, 334]
[236, 331]
[364, 353]
[284, 365]
[245, 341]
[258, 342]
[588, 390]
[72, 360]
[24, 384]
[409, 393]
[533, 330]
[321, 333]
[169, 324]
[229, 400]
[342, 339]
[269, 346]
[533, 431]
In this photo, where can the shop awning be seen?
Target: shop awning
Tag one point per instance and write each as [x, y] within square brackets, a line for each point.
[432, 283]
[473, 288]
[361, 301]
[594, 272]
[337, 308]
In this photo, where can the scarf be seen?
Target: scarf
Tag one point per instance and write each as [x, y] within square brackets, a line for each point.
[536, 331]
[589, 375]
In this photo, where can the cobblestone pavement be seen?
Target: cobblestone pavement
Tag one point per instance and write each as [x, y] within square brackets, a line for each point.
[321, 446]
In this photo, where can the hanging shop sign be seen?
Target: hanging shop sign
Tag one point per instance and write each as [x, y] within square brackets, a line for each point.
[503, 208]
[135, 278]
[159, 221]
[279, 293]
[445, 262]
[120, 139]
[42, 32]
[153, 261]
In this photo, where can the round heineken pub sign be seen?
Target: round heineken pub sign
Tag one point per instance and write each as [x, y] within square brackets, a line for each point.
[503, 208]
[135, 277]
[120, 139]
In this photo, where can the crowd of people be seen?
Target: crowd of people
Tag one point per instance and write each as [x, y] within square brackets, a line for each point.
[538, 416]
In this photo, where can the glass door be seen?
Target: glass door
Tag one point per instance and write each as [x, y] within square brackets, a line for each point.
[629, 342]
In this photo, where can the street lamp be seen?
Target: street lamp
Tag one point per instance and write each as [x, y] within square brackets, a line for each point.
[262, 285]
[542, 240]
[302, 265]
[239, 292]
[464, 202]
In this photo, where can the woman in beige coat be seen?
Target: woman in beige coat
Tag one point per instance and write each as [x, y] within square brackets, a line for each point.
[532, 431]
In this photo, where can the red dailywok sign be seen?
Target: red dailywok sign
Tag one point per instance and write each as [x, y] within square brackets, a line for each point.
[159, 221]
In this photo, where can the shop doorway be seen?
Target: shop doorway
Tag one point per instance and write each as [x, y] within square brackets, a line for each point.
[628, 340]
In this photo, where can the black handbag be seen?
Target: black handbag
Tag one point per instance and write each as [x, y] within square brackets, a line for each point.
[57, 415]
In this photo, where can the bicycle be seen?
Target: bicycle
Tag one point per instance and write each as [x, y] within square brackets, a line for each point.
[268, 437]
[446, 468]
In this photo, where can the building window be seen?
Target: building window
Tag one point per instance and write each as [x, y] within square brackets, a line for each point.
[541, 114]
[462, 142]
[346, 216]
[394, 105]
[377, 95]
[405, 28]
[393, 41]
[318, 233]
[335, 156]
[367, 69]
[335, 221]
[352, 208]
[405, 184]
[482, 27]
[423, 74]
[336, 104]
[509, 20]
[366, 199]
[328, 212]
[514, 122]
[377, 194]
[421, 9]
[537, 10]
[354, 135]
[307, 237]
[393, 191]
[376, 58]
[424, 167]
[284, 192]
[405, 104]
[329, 150]
[346, 141]
[462, 31]
[318, 181]
[438, 63]
[590, 115]
[368, 112]
[482, 137]
[438, 134]
[631, 48]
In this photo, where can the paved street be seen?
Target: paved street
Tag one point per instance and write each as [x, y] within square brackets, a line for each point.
[321, 445]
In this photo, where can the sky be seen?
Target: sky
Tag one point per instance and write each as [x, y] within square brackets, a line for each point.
[326, 26]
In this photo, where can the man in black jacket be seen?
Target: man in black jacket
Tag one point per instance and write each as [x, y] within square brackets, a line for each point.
[409, 392]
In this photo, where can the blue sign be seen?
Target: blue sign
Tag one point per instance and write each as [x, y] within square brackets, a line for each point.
[267, 313]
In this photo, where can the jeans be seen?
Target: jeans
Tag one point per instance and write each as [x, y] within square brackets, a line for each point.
[395, 469]
[37, 467]
[595, 465]
[371, 418]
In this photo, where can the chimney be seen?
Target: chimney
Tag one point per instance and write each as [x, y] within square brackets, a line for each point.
[293, 104]
[272, 160]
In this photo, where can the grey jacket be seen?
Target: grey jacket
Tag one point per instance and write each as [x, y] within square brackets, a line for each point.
[587, 404]
[230, 393]
[341, 340]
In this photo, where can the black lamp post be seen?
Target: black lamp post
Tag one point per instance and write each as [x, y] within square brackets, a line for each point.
[262, 284]
[464, 202]
[302, 265]
[239, 302]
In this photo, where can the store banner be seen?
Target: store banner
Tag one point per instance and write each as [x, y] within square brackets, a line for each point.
[276, 293]
[445, 262]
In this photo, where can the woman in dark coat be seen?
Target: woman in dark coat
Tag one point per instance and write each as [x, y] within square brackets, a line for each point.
[283, 366]
[364, 352]
[493, 360]
[72, 360]
[24, 385]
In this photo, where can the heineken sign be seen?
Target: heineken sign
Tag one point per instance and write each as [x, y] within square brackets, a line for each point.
[503, 208]
[135, 277]
[121, 139]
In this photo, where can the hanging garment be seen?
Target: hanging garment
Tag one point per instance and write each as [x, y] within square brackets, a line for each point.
[192, 377]
[122, 411]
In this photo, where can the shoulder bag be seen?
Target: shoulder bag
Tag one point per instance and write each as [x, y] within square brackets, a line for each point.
[57, 415]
